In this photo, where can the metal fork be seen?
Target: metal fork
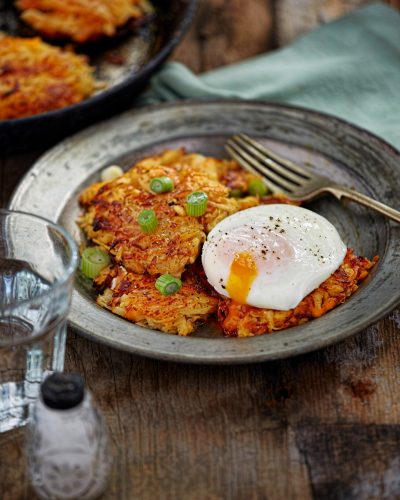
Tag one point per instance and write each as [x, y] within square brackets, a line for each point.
[295, 182]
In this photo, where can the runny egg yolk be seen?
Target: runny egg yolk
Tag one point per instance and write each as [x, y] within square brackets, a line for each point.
[241, 276]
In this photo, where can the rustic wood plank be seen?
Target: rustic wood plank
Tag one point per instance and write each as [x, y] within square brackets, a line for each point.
[225, 32]
[237, 429]
[343, 464]
[12, 169]
[199, 430]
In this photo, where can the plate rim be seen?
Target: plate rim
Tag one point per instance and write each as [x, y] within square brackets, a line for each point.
[228, 358]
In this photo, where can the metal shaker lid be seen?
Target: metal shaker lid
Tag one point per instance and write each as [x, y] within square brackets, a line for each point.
[62, 391]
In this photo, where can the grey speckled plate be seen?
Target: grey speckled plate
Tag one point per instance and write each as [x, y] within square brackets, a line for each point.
[322, 143]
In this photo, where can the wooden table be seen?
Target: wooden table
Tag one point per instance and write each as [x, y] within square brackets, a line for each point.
[323, 425]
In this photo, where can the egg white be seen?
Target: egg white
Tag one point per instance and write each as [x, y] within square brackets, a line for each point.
[294, 249]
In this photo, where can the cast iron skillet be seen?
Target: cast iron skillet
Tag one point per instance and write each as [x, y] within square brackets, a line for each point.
[125, 63]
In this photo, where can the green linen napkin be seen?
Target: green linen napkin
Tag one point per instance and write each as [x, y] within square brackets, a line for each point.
[349, 68]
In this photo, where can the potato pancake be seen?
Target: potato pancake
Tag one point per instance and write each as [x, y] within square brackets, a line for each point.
[135, 298]
[112, 209]
[36, 77]
[127, 286]
[239, 320]
[80, 20]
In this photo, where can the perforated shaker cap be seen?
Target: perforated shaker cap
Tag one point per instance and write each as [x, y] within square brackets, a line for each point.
[62, 391]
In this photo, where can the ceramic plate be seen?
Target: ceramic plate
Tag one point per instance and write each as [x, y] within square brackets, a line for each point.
[322, 143]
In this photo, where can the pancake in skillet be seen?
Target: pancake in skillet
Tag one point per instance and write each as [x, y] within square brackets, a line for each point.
[36, 77]
[80, 20]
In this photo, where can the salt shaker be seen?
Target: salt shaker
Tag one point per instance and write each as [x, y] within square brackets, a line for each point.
[67, 447]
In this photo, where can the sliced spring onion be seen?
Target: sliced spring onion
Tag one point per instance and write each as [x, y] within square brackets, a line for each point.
[161, 184]
[235, 193]
[196, 203]
[257, 187]
[168, 284]
[93, 261]
[147, 220]
[111, 173]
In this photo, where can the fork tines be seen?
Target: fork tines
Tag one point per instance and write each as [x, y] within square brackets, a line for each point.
[280, 174]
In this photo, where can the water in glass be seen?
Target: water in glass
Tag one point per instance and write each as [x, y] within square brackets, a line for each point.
[34, 302]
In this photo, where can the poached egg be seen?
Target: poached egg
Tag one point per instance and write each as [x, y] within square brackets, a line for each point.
[271, 256]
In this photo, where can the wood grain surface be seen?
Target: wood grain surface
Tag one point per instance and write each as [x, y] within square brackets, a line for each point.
[324, 425]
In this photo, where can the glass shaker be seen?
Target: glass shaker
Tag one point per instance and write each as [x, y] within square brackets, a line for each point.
[67, 447]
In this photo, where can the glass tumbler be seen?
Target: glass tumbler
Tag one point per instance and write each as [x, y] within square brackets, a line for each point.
[37, 263]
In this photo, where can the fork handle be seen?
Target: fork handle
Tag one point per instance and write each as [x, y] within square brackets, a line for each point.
[341, 192]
